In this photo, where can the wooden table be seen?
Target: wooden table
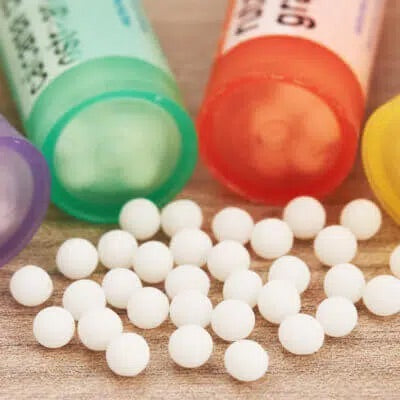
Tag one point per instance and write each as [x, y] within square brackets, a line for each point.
[364, 365]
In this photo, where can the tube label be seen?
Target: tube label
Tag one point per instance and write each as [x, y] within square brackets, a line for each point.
[41, 39]
[349, 28]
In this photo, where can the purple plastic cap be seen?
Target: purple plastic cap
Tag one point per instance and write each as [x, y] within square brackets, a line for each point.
[24, 191]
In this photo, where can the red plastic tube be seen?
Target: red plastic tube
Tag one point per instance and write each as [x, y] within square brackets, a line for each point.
[283, 109]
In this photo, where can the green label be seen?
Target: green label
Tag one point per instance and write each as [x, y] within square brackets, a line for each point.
[41, 39]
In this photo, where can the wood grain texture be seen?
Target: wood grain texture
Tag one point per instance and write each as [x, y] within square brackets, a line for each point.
[364, 365]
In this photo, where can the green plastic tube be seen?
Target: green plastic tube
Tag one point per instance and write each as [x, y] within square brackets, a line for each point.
[97, 97]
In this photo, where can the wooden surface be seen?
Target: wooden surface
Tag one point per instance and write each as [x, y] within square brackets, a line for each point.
[364, 365]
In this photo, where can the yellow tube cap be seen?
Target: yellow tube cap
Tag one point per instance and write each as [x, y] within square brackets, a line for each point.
[381, 156]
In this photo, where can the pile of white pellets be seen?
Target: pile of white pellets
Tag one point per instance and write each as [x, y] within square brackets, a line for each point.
[187, 285]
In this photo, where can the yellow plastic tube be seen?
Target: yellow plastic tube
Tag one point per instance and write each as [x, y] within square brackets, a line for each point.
[381, 155]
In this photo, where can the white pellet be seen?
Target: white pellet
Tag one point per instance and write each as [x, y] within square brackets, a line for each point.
[53, 327]
[246, 361]
[382, 295]
[233, 223]
[97, 328]
[363, 217]
[153, 261]
[227, 257]
[77, 258]
[148, 308]
[190, 307]
[306, 216]
[345, 280]
[243, 285]
[335, 245]
[181, 214]
[141, 218]
[337, 315]
[186, 277]
[301, 334]
[271, 238]
[278, 300]
[127, 354]
[190, 246]
[31, 286]
[82, 296]
[232, 320]
[190, 346]
[116, 249]
[395, 262]
[119, 284]
[293, 269]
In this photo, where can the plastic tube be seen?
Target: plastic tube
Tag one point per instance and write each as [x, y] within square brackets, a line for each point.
[24, 191]
[286, 97]
[97, 97]
[380, 151]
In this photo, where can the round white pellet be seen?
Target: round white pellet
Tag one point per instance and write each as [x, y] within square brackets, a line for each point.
[190, 346]
[337, 315]
[293, 269]
[232, 320]
[141, 218]
[148, 308]
[82, 296]
[277, 300]
[31, 286]
[233, 223]
[335, 245]
[345, 280]
[227, 257]
[96, 328]
[119, 284]
[181, 214]
[243, 285]
[128, 354]
[301, 334]
[190, 307]
[153, 261]
[246, 360]
[53, 327]
[382, 295]
[363, 217]
[190, 246]
[77, 258]
[186, 277]
[271, 238]
[306, 216]
[395, 262]
[116, 249]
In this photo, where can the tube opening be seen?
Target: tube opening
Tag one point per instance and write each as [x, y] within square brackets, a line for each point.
[116, 147]
[285, 140]
[24, 194]
[115, 150]
[16, 192]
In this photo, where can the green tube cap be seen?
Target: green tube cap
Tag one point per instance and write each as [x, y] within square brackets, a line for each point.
[118, 147]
